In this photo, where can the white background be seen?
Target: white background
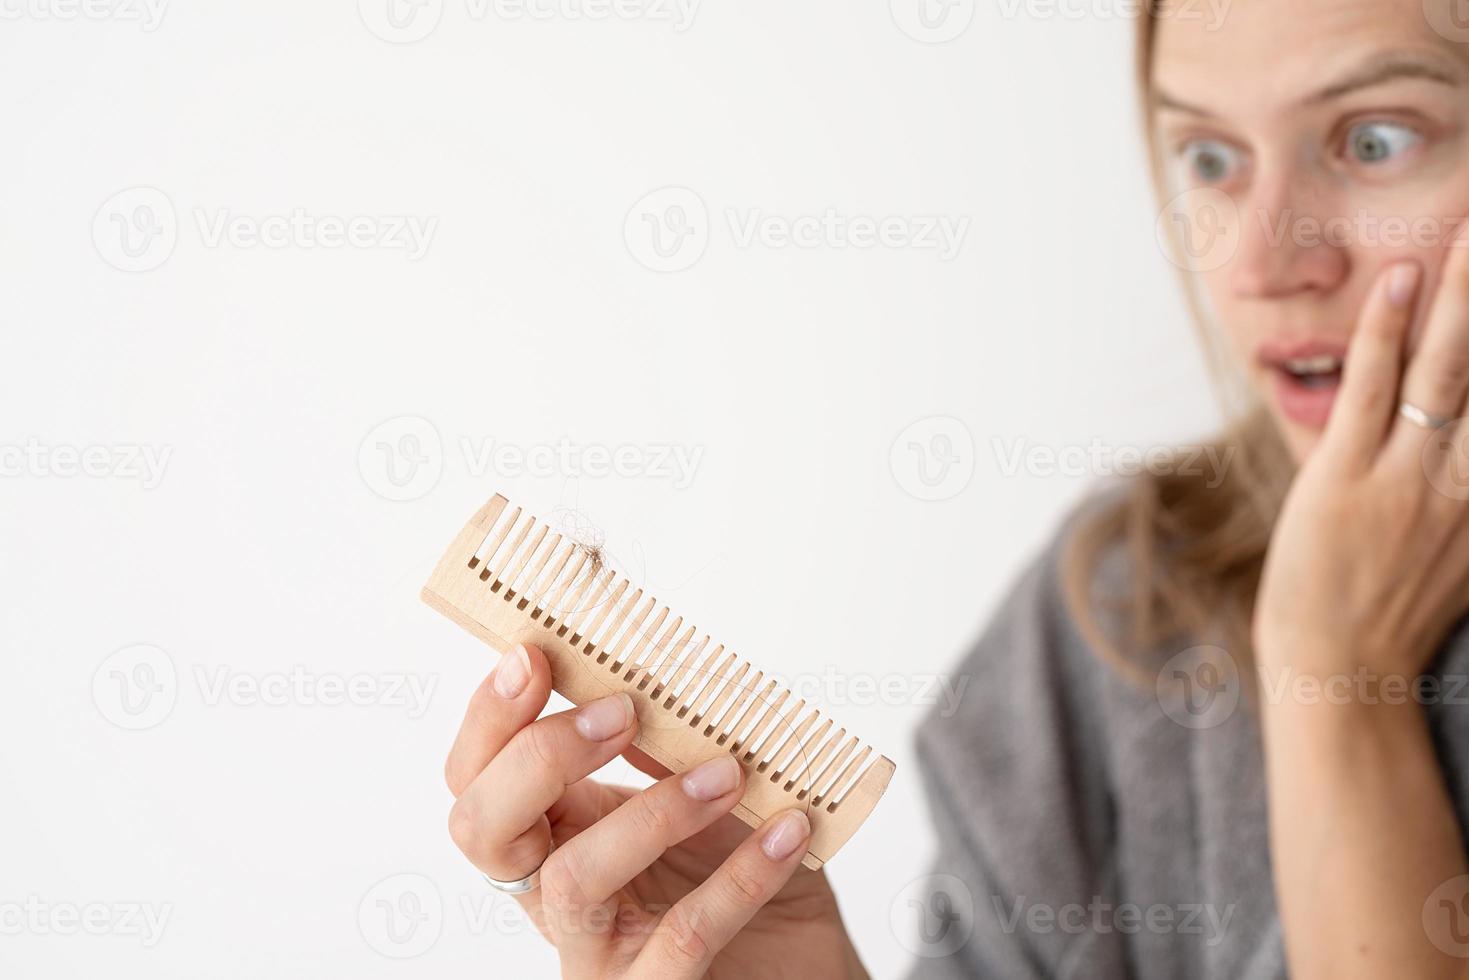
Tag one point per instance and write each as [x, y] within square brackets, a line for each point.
[268, 544]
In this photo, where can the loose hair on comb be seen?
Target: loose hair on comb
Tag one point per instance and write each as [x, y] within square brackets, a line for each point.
[508, 578]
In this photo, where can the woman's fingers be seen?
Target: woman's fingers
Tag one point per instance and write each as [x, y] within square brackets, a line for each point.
[510, 698]
[499, 822]
[694, 931]
[508, 770]
[1437, 376]
[580, 882]
[1364, 407]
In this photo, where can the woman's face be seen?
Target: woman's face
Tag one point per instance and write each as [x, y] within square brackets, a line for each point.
[1327, 139]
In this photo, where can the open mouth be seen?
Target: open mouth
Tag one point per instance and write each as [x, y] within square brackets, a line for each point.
[1306, 387]
[1321, 371]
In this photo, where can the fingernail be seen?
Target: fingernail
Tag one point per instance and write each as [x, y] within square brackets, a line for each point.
[713, 779]
[785, 835]
[513, 673]
[1401, 283]
[599, 720]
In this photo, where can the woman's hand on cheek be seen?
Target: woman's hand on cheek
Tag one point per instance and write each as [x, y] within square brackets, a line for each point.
[1368, 564]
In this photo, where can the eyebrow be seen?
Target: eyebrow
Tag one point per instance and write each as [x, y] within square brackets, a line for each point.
[1377, 71]
[1390, 68]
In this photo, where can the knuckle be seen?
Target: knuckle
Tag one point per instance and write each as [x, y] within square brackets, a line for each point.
[684, 930]
[561, 886]
[522, 855]
[465, 829]
[744, 886]
[653, 815]
[539, 748]
[1451, 371]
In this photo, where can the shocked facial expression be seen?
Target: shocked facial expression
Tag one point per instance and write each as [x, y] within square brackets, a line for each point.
[1327, 139]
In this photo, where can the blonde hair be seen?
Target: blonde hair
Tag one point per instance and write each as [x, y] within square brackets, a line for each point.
[1193, 543]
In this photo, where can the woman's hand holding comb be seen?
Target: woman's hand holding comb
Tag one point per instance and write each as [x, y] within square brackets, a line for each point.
[658, 883]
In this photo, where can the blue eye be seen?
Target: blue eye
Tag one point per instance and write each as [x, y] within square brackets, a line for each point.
[1376, 142]
[1209, 161]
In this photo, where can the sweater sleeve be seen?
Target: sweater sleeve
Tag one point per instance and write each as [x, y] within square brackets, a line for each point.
[1018, 789]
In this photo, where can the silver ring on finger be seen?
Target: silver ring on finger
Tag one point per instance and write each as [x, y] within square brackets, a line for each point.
[520, 886]
[1421, 418]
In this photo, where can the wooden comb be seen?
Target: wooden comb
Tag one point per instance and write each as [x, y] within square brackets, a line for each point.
[508, 579]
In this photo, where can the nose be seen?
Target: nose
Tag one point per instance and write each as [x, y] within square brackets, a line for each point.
[1284, 244]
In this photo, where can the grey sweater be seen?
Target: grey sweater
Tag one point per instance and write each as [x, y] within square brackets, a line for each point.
[1084, 831]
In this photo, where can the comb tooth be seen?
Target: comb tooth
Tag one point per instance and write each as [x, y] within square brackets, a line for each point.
[529, 585]
[746, 702]
[658, 656]
[546, 576]
[714, 692]
[759, 733]
[796, 751]
[484, 519]
[605, 608]
[493, 532]
[745, 726]
[820, 781]
[626, 606]
[599, 602]
[595, 570]
[708, 671]
[784, 726]
[574, 606]
[683, 678]
[838, 790]
[727, 698]
[804, 758]
[486, 552]
[620, 650]
[667, 656]
[561, 582]
[793, 743]
[769, 730]
[558, 598]
[509, 553]
[640, 655]
[513, 574]
[720, 681]
[818, 760]
[620, 611]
